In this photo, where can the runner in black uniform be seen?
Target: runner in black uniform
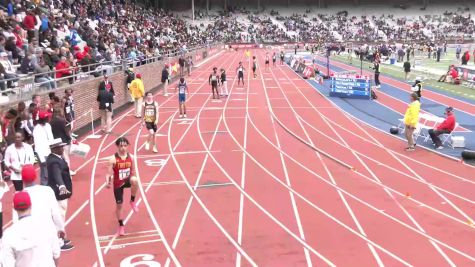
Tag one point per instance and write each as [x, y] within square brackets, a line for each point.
[224, 83]
[240, 72]
[281, 57]
[267, 61]
[254, 66]
[213, 81]
[274, 58]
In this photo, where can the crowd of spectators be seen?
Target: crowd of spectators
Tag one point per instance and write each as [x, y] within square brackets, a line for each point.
[53, 39]
[342, 26]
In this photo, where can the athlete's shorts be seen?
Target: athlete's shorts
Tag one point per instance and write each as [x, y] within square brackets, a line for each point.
[254, 69]
[267, 62]
[151, 126]
[119, 192]
[240, 75]
[181, 98]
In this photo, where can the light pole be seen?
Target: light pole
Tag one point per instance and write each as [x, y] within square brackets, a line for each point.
[361, 63]
[193, 10]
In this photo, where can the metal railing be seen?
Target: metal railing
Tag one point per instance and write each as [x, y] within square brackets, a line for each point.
[27, 84]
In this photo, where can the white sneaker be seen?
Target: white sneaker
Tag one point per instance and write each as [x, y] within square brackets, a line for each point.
[184, 115]
[147, 146]
[155, 150]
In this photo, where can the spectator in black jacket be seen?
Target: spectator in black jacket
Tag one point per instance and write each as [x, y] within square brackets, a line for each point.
[61, 129]
[165, 79]
[106, 84]
[59, 178]
[105, 99]
[407, 69]
[129, 77]
[181, 62]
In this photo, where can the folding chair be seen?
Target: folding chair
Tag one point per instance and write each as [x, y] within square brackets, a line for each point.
[447, 136]
[418, 131]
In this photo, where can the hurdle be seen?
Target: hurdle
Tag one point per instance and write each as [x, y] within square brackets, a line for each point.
[89, 113]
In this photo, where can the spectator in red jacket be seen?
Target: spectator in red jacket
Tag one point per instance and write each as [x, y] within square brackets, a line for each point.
[63, 70]
[77, 53]
[446, 127]
[29, 21]
[18, 37]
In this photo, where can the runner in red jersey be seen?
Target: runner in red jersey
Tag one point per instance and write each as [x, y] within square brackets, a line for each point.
[121, 174]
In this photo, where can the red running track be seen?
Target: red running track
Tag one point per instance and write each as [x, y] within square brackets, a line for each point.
[273, 175]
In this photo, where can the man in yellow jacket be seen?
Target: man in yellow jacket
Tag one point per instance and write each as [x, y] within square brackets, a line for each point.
[137, 91]
[411, 118]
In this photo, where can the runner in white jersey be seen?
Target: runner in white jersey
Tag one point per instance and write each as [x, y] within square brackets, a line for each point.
[182, 91]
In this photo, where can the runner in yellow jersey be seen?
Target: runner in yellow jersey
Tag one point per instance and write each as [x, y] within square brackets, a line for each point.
[150, 119]
[248, 54]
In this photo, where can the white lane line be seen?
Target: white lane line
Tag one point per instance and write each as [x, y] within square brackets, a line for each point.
[164, 183]
[342, 140]
[330, 175]
[100, 257]
[147, 204]
[286, 174]
[206, 210]
[170, 119]
[213, 185]
[192, 190]
[356, 199]
[243, 173]
[120, 246]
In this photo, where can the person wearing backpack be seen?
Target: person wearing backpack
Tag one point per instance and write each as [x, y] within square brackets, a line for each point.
[129, 77]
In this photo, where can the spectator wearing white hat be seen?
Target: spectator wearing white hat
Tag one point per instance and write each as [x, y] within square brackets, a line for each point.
[417, 87]
[8, 71]
[24, 243]
[59, 176]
